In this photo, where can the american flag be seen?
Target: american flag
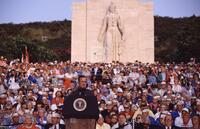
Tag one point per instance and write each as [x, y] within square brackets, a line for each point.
[22, 59]
[26, 55]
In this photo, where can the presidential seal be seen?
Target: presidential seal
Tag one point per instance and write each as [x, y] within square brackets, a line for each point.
[79, 104]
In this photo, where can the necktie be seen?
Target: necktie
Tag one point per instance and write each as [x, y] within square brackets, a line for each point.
[55, 127]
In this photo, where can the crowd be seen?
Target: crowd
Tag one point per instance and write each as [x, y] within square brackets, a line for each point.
[133, 95]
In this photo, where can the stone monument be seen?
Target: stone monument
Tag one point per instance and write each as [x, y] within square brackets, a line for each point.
[112, 30]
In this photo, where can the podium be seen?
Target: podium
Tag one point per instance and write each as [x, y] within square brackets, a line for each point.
[81, 110]
[73, 123]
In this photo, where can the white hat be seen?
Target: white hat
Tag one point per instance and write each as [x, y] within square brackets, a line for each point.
[186, 109]
[109, 103]
[40, 92]
[148, 84]
[145, 91]
[54, 114]
[180, 102]
[166, 112]
[165, 97]
[119, 90]
[163, 83]
[3, 96]
[15, 114]
[54, 107]
[173, 95]
[134, 106]
[193, 97]
[162, 116]
[100, 116]
[168, 99]
[145, 110]
[156, 97]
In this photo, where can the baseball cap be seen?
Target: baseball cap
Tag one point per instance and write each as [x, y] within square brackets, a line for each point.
[54, 114]
[186, 109]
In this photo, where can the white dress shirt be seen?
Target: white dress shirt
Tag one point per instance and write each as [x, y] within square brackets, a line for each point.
[104, 126]
[179, 122]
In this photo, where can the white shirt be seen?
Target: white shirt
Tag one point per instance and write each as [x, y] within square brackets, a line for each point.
[177, 88]
[142, 78]
[134, 75]
[125, 127]
[104, 126]
[117, 79]
[13, 84]
[2, 89]
[69, 75]
[161, 92]
[179, 122]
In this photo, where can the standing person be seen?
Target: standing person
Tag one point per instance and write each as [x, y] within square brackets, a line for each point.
[82, 87]
[81, 107]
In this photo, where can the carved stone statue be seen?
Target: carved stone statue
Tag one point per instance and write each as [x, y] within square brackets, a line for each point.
[112, 35]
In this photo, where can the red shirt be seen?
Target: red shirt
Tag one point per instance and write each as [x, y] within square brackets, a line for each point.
[24, 127]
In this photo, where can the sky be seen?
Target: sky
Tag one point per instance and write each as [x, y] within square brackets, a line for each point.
[24, 11]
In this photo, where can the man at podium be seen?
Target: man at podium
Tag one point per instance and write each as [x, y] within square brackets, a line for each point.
[81, 107]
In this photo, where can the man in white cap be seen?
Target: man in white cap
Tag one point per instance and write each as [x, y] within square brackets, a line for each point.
[179, 108]
[162, 91]
[3, 98]
[55, 121]
[15, 121]
[184, 121]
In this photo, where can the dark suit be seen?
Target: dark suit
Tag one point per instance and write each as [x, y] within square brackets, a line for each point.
[173, 127]
[82, 115]
[141, 126]
[49, 126]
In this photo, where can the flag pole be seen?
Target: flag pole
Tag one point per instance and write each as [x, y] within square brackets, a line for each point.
[86, 25]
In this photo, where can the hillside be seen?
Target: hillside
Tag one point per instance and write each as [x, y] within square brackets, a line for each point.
[45, 40]
[176, 39]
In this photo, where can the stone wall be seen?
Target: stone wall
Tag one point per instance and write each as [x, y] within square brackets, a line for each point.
[137, 19]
